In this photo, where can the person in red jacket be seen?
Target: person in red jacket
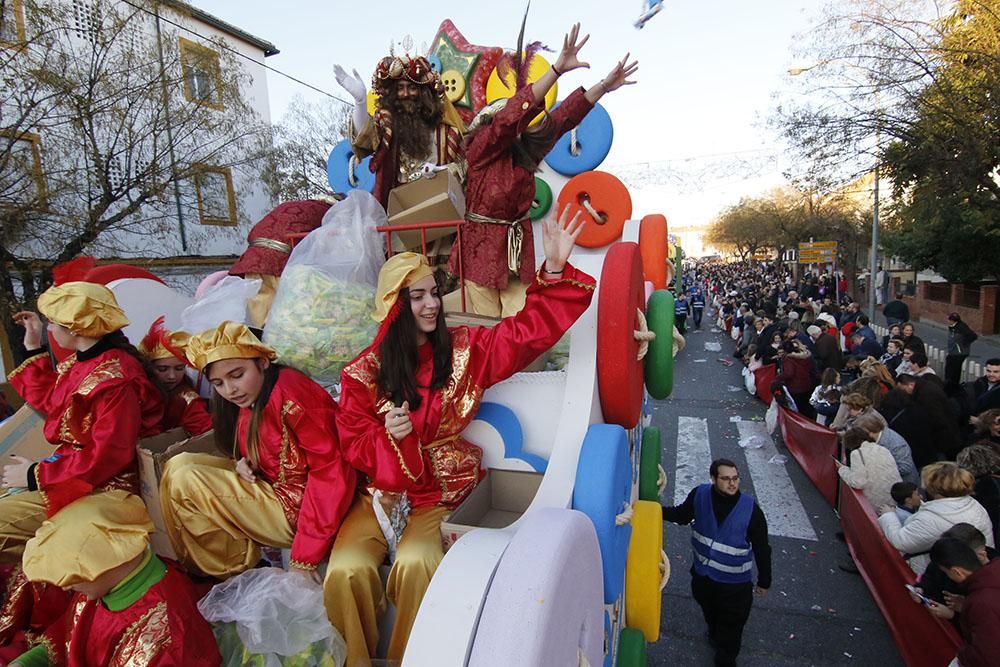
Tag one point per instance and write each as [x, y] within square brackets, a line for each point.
[184, 408]
[287, 483]
[797, 375]
[496, 250]
[129, 607]
[404, 403]
[980, 609]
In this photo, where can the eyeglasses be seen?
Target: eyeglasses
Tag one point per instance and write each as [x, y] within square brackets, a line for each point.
[734, 478]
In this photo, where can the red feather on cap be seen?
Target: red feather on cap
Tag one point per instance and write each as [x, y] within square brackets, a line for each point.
[158, 334]
[73, 270]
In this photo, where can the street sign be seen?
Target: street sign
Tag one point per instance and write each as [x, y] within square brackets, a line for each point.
[818, 252]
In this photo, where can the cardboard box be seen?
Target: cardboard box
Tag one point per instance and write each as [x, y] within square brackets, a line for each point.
[153, 453]
[22, 434]
[434, 199]
[496, 502]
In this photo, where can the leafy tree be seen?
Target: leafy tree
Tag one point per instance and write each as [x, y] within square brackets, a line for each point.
[106, 123]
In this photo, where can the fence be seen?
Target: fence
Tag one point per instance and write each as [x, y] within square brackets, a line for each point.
[971, 370]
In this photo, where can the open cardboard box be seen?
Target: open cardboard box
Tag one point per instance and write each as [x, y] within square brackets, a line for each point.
[22, 435]
[496, 502]
[434, 199]
[153, 453]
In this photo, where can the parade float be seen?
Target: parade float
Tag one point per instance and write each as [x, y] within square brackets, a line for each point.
[557, 557]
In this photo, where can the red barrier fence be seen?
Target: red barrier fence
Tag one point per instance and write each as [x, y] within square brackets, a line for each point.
[763, 377]
[813, 447]
[922, 639]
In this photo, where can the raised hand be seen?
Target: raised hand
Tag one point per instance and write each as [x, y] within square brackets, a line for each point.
[568, 57]
[354, 85]
[619, 76]
[559, 237]
[32, 328]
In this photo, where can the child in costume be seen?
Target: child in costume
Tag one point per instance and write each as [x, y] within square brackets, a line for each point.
[496, 250]
[404, 404]
[97, 404]
[129, 607]
[287, 483]
[183, 408]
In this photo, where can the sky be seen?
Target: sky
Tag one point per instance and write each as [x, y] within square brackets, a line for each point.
[690, 137]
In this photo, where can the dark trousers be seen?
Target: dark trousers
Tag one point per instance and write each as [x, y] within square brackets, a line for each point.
[697, 317]
[953, 368]
[726, 608]
[679, 322]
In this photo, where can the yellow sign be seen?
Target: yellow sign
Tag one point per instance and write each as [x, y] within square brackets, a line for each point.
[818, 252]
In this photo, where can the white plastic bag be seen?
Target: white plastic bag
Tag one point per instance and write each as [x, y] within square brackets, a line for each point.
[749, 381]
[279, 619]
[226, 300]
[771, 418]
[321, 315]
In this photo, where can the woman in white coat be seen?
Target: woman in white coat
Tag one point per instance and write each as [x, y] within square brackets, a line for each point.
[949, 488]
[873, 469]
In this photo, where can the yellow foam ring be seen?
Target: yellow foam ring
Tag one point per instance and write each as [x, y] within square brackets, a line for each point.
[497, 89]
[372, 101]
[642, 571]
[454, 85]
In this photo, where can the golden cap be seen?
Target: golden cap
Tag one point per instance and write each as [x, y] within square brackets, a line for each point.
[86, 309]
[159, 343]
[399, 271]
[87, 538]
[229, 340]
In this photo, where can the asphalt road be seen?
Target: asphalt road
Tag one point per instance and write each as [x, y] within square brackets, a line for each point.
[814, 614]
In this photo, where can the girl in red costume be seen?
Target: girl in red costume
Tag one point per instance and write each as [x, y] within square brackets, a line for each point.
[184, 408]
[503, 153]
[287, 484]
[404, 404]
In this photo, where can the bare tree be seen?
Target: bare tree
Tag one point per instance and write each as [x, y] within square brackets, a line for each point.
[114, 125]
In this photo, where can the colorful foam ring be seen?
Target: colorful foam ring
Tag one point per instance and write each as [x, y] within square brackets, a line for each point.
[620, 300]
[586, 147]
[601, 491]
[631, 648]
[650, 459]
[345, 173]
[644, 579]
[454, 85]
[605, 203]
[653, 246]
[659, 370]
[549, 580]
[497, 88]
[542, 203]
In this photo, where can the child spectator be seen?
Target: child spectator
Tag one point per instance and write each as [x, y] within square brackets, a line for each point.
[872, 468]
[906, 495]
[829, 384]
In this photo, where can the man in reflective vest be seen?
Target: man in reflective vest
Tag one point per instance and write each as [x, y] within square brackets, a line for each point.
[727, 527]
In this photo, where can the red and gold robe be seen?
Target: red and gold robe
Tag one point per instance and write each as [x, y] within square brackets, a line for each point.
[300, 458]
[162, 629]
[187, 410]
[433, 464]
[96, 404]
[500, 189]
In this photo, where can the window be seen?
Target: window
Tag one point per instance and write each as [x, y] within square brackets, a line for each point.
[22, 183]
[86, 20]
[11, 23]
[202, 74]
[216, 198]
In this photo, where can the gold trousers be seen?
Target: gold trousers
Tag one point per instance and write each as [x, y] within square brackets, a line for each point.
[353, 590]
[21, 514]
[216, 520]
[493, 302]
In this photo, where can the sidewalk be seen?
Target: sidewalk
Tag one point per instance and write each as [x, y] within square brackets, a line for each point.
[935, 337]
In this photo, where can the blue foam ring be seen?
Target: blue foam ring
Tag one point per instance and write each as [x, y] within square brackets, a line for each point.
[594, 136]
[337, 170]
[506, 423]
[602, 487]
[435, 62]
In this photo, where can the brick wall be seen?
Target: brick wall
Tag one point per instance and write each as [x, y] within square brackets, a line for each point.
[982, 320]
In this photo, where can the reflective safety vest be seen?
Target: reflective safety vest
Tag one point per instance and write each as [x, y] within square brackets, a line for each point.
[722, 553]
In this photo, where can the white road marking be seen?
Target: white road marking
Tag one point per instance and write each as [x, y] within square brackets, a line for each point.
[694, 456]
[777, 497]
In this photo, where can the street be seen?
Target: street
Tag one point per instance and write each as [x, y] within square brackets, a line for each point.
[814, 614]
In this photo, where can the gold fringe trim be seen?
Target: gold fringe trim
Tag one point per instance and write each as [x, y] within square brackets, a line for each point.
[26, 363]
